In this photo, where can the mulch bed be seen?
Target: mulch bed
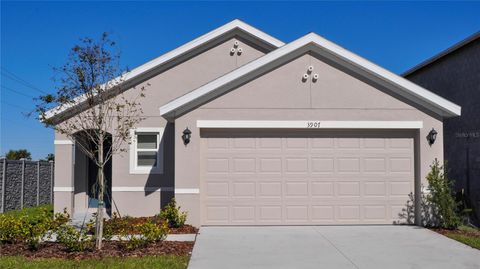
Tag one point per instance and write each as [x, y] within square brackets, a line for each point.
[459, 232]
[186, 229]
[110, 249]
[129, 223]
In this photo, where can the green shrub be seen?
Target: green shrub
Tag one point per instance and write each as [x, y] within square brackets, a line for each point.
[152, 233]
[10, 228]
[440, 196]
[73, 239]
[60, 218]
[149, 233]
[29, 225]
[171, 213]
[34, 229]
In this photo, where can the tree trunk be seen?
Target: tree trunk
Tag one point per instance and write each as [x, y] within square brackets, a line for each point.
[101, 190]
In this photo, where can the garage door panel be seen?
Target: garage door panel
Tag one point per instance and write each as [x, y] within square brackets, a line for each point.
[269, 180]
[322, 144]
[217, 166]
[271, 189]
[243, 214]
[296, 165]
[296, 143]
[243, 165]
[374, 144]
[296, 213]
[322, 165]
[348, 213]
[347, 143]
[348, 165]
[270, 214]
[348, 189]
[375, 165]
[322, 189]
[268, 165]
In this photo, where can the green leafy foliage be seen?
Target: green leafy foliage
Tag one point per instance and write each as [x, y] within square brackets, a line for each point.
[29, 225]
[152, 233]
[172, 214]
[73, 239]
[18, 154]
[10, 228]
[440, 196]
[34, 229]
[149, 232]
[60, 218]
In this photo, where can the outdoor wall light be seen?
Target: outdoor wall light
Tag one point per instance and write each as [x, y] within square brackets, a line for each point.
[186, 136]
[432, 136]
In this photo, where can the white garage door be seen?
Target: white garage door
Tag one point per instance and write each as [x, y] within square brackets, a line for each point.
[281, 178]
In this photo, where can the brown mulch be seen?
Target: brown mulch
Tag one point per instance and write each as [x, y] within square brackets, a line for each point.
[130, 223]
[110, 249]
[471, 233]
[186, 229]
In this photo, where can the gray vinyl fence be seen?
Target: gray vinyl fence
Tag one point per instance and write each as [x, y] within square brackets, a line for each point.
[25, 184]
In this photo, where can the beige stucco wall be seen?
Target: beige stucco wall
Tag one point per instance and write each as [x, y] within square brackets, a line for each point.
[162, 88]
[282, 95]
[277, 95]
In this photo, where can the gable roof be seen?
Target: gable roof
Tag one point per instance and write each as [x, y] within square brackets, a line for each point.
[180, 54]
[315, 43]
[459, 45]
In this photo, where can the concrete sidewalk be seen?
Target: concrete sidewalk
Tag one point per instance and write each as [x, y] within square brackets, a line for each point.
[336, 247]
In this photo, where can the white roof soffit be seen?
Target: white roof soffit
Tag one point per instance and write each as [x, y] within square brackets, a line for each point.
[317, 44]
[254, 33]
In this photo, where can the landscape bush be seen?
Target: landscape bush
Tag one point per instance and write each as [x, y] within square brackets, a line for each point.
[72, 239]
[441, 199]
[148, 233]
[28, 225]
[171, 213]
[10, 228]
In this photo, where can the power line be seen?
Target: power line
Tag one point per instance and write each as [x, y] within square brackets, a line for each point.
[14, 105]
[15, 91]
[18, 79]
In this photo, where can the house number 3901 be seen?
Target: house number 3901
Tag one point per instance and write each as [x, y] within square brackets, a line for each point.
[313, 124]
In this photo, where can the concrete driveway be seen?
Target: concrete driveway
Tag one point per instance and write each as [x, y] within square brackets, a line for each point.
[328, 247]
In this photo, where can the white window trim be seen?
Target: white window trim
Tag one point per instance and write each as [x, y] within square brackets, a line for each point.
[134, 169]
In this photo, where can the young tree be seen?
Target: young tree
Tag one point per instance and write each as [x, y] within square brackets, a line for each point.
[90, 87]
[18, 154]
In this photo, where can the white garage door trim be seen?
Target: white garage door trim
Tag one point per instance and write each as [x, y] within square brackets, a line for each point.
[313, 124]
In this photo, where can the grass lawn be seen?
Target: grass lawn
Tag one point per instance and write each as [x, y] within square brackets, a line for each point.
[174, 262]
[466, 235]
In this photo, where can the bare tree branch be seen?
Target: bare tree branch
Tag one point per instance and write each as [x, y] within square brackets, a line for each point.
[93, 74]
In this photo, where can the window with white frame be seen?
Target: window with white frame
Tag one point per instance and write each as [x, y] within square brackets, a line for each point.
[146, 151]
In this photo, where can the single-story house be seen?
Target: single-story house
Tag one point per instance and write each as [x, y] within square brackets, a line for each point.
[455, 74]
[243, 129]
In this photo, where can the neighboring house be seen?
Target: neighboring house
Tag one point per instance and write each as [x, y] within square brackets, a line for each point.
[455, 74]
[299, 133]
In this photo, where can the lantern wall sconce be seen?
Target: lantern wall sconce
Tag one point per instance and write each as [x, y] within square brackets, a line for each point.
[187, 134]
[432, 136]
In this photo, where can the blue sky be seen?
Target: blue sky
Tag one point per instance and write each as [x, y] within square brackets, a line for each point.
[36, 36]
